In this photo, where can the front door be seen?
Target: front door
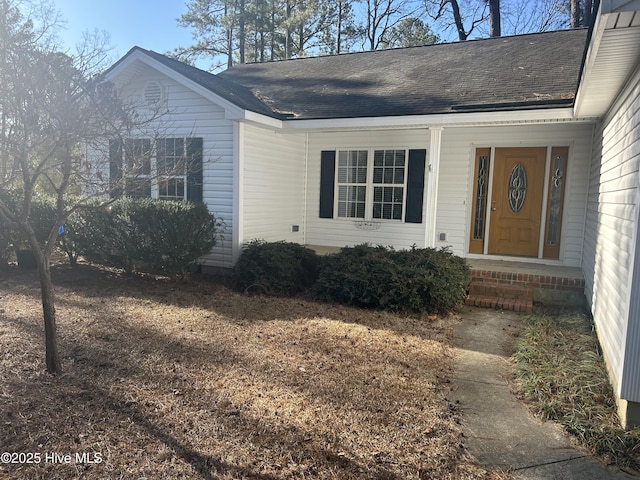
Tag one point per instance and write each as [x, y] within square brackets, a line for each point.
[516, 201]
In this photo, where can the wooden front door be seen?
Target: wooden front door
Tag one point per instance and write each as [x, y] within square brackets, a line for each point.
[516, 201]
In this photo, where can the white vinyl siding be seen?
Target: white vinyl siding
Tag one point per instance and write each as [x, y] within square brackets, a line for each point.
[610, 239]
[340, 232]
[274, 185]
[187, 114]
[456, 178]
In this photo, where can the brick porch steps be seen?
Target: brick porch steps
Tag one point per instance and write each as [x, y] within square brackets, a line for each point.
[501, 296]
[516, 287]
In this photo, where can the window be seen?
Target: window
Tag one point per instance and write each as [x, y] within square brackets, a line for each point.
[352, 183]
[137, 155]
[371, 190]
[167, 168]
[388, 181]
[171, 169]
[390, 187]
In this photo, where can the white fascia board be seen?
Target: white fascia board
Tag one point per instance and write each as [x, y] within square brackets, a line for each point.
[448, 119]
[590, 60]
[258, 119]
[232, 111]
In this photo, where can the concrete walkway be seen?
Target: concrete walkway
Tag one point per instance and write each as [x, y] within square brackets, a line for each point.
[500, 431]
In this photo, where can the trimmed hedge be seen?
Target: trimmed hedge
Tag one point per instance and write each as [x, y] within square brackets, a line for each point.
[276, 269]
[152, 235]
[409, 281]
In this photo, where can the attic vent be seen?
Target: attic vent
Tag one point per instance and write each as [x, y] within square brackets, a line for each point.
[153, 93]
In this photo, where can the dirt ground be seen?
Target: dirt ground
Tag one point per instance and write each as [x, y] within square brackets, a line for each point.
[166, 380]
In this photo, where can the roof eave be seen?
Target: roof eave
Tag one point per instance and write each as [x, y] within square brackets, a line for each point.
[600, 79]
[546, 115]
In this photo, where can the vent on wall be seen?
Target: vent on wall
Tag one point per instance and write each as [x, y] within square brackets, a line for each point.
[153, 93]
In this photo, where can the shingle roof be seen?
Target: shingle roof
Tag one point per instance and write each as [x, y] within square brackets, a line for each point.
[520, 72]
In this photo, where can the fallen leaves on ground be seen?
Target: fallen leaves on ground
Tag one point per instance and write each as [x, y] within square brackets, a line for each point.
[166, 380]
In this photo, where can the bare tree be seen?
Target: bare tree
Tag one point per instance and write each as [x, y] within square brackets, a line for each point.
[524, 16]
[50, 104]
[451, 14]
[380, 17]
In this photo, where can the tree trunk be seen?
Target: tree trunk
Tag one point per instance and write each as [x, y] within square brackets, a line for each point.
[588, 12]
[229, 40]
[575, 13]
[455, 8]
[494, 16]
[288, 40]
[241, 32]
[48, 308]
[339, 32]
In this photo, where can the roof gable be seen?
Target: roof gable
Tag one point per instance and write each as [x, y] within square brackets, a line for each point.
[219, 89]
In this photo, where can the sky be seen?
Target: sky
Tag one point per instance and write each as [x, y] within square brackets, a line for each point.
[148, 24]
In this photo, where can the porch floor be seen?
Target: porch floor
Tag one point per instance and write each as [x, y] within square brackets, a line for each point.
[511, 285]
[525, 267]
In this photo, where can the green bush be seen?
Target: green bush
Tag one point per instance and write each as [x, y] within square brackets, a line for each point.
[104, 234]
[172, 235]
[409, 281]
[42, 216]
[7, 233]
[277, 268]
[153, 235]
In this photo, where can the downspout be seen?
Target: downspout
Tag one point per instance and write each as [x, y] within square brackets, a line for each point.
[431, 192]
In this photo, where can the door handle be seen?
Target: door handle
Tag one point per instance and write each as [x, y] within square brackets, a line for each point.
[493, 209]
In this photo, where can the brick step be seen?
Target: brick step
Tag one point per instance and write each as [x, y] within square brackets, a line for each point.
[500, 290]
[501, 294]
[521, 305]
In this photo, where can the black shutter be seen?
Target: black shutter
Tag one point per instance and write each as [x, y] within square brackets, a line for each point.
[115, 168]
[194, 172]
[327, 179]
[415, 186]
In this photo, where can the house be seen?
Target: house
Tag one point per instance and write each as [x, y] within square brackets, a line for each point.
[522, 149]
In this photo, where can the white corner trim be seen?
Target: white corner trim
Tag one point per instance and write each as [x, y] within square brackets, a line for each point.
[238, 191]
[432, 171]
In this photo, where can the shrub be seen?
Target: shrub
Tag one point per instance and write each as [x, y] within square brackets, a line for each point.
[410, 281]
[7, 233]
[172, 235]
[155, 235]
[42, 216]
[106, 235]
[277, 268]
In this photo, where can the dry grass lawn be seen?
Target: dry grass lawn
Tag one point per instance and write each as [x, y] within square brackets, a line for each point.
[163, 380]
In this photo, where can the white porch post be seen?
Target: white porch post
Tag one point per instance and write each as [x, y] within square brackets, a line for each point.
[431, 200]
[238, 191]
